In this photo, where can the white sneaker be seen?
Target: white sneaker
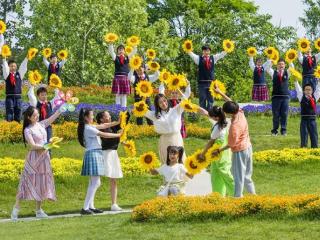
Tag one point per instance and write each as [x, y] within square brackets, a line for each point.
[14, 214]
[115, 207]
[41, 214]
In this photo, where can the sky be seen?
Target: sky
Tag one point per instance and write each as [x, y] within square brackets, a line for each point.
[284, 12]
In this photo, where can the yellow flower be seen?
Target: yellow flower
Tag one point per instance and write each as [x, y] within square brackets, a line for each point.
[252, 51]
[123, 119]
[317, 72]
[3, 27]
[275, 57]
[5, 51]
[295, 73]
[148, 160]
[55, 81]
[34, 77]
[228, 45]
[201, 162]
[144, 89]
[153, 66]
[291, 55]
[73, 100]
[269, 51]
[32, 53]
[192, 166]
[176, 81]
[63, 54]
[211, 150]
[303, 45]
[151, 54]
[317, 44]
[133, 41]
[46, 52]
[124, 135]
[220, 85]
[140, 109]
[110, 37]
[135, 62]
[188, 106]
[187, 46]
[128, 49]
[164, 76]
[130, 148]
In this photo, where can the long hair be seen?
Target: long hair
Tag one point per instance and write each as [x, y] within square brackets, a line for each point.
[99, 116]
[81, 124]
[216, 111]
[156, 104]
[26, 121]
[175, 149]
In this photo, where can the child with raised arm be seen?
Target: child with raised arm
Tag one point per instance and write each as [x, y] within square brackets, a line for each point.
[53, 65]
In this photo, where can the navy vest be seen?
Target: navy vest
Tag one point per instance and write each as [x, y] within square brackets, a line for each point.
[57, 70]
[306, 108]
[205, 74]
[280, 88]
[121, 69]
[49, 110]
[259, 79]
[14, 89]
[306, 69]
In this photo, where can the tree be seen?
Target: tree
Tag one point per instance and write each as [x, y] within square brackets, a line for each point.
[311, 20]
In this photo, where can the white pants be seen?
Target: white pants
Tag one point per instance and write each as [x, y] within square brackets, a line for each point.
[94, 184]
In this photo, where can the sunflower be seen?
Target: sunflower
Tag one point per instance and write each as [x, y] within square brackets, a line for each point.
[187, 46]
[275, 57]
[153, 66]
[317, 44]
[3, 27]
[128, 49]
[295, 73]
[214, 148]
[164, 75]
[144, 89]
[188, 106]
[193, 167]
[5, 51]
[135, 62]
[46, 52]
[140, 109]
[269, 51]
[133, 41]
[151, 54]
[123, 119]
[63, 54]
[34, 77]
[303, 45]
[124, 135]
[55, 81]
[252, 51]
[130, 148]
[148, 160]
[291, 55]
[110, 37]
[202, 162]
[228, 45]
[317, 72]
[73, 100]
[32, 53]
[176, 81]
[220, 85]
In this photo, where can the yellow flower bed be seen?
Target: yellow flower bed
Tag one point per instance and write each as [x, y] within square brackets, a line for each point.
[214, 206]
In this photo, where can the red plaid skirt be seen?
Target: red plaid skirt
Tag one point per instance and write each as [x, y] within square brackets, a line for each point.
[121, 85]
[260, 93]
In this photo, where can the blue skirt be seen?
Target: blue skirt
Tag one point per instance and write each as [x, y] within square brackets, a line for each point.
[93, 163]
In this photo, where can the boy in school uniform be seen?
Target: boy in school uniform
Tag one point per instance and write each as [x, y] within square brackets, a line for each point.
[53, 65]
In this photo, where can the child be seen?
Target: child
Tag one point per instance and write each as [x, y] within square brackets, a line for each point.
[121, 84]
[240, 145]
[53, 66]
[173, 172]
[308, 102]
[309, 63]
[221, 177]
[137, 76]
[88, 137]
[36, 181]
[259, 89]
[280, 97]
[110, 156]
[174, 100]
[206, 74]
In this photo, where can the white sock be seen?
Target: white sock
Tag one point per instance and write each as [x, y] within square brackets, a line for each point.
[123, 100]
[118, 99]
[94, 184]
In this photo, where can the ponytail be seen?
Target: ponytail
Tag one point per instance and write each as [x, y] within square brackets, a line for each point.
[216, 111]
[81, 124]
[26, 121]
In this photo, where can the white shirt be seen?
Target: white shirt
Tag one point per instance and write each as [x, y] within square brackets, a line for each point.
[218, 133]
[91, 138]
[47, 63]
[33, 99]
[316, 93]
[114, 55]
[271, 71]
[300, 57]
[173, 174]
[152, 77]
[22, 70]
[216, 57]
[253, 65]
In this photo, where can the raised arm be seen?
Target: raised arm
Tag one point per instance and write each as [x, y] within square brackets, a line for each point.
[317, 56]
[134, 51]
[154, 77]
[1, 41]
[109, 135]
[23, 68]
[194, 57]
[61, 63]
[107, 125]
[267, 64]
[56, 97]
[270, 71]
[251, 63]
[219, 56]
[225, 97]
[131, 76]
[298, 90]
[47, 122]
[300, 57]
[162, 88]
[317, 92]
[45, 61]
[5, 68]
[111, 52]
[32, 98]
[291, 65]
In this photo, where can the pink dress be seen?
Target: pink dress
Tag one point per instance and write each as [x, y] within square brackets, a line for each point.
[36, 182]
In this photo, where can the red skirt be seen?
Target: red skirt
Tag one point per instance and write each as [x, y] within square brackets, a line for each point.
[260, 93]
[121, 85]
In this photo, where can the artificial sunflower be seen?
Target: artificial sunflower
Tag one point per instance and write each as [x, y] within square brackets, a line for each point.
[110, 37]
[202, 162]
[176, 81]
[220, 85]
[291, 55]
[303, 45]
[269, 51]
[192, 166]
[317, 72]
[275, 57]
[124, 134]
[135, 62]
[32, 53]
[164, 75]
[140, 109]
[144, 89]
[151, 54]
[228, 45]
[55, 81]
[295, 73]
[5, 51]
[153, 66]
[130, 148]
[73, 100]
[3, 27]
[252, 51]
[133, 41]
[46, 52]
[214, 148]
[317, 44]
[148, 160]
[123, 119]
[63, 54]
[128, 49]
[34, 77]
[188, 106]
[187, 46]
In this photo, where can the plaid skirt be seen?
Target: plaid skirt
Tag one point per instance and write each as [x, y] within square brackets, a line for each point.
[121, 85]
[93, 164]
[260, 93]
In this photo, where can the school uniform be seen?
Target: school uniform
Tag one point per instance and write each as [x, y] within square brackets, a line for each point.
[53, 68]
[259, 90]
[309, 63]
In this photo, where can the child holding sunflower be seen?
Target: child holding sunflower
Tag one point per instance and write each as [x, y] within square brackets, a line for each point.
[53, 65]
[173, 171]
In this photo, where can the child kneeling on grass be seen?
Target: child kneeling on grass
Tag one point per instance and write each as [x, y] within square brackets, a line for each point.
[173, 172]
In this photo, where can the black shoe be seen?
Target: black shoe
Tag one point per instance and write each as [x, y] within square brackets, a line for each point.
[95, 210]
[86, 212]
